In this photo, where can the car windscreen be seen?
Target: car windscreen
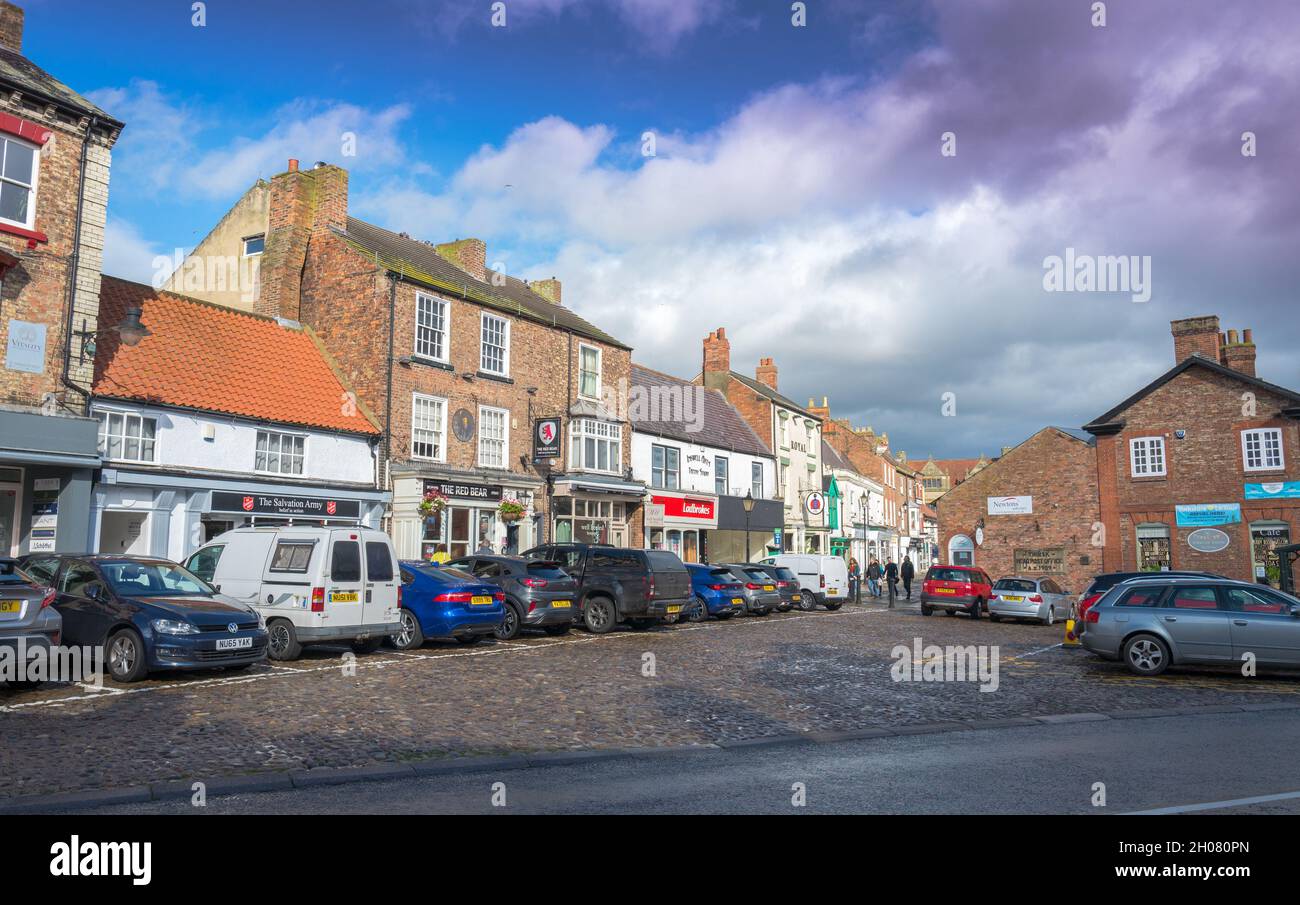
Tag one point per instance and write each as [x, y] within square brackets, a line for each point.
[153, 579]
[759, 575]
[948, 575]
[1014, 584]
[722, 574]
[550, 571]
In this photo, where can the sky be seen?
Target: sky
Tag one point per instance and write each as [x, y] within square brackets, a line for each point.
[871, 198]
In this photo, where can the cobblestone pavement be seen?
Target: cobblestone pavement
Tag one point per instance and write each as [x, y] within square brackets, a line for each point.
[713, 682]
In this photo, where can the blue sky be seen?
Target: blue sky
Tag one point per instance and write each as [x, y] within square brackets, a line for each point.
[798, 195]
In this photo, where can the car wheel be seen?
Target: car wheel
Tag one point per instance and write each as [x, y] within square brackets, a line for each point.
[833, 606]
[927, 610]
[763, 612]
[807, 602]
[282, 640]
[1146, 655]
[599, 615]
[470, 640]
[409, 636]
[511, 626]
[368, 646]
[699, 612]
[126, 656]
[1051, 616]
[975, 610]
[557, 630]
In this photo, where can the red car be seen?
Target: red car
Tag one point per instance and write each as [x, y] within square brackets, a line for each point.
[956, 589]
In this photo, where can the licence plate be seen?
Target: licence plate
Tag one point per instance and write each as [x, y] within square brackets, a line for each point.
[1012, 599]
[561, 604]
[944, 591]
[737, 601]
[344, 597]
[234, 643]
[832, 592]
[769, 587]
[796, 598]
[11, 606]
[674, 610]
[480, 601]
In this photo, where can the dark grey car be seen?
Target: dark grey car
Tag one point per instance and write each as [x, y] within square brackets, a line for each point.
[27, 618]
[539, 594]
[1153, 623]
[787, 585]
[758, 588]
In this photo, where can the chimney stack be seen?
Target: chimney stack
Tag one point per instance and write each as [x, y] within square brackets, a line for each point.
[11, 26]
[765, 373]
[547, 289]
[822, 411]
[1196, 336]
[470, 255]
[301, 202]
[717, 359]
[1239, 354]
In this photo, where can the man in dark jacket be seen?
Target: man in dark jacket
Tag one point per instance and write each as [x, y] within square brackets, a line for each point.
[908, 572]
[891, 579]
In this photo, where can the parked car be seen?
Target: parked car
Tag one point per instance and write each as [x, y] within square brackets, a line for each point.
[956, 589]
[538, 594]
[639, 587]
[717, 593]
[313, 585]
[1155, 622]
[1039, 599]
[28, 619]
[1103, 583]
[443, 603]
[151, 614]
[787, 583]
[824, 580]
[759, 589]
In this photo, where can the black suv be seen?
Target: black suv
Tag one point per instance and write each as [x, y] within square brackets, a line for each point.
[615, 584]
[538, 593]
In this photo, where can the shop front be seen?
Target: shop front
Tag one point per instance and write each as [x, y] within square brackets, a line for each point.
[450, 516]
[152, 514]
[746, 536]
[47, 467]
[681, 523]
[595, 509]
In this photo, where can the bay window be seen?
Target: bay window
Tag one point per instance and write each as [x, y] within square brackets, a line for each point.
[596, 445]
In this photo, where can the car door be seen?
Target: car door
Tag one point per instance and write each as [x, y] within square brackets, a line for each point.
[1198, 622]
[1262, 625]
[345, 587]
[381, 582]
[84, 620]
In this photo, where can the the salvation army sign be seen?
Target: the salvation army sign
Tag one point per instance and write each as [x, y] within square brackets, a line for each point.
[1011, 505]
[815, 504]
[546, 439]
[276, 504]
[703, 513]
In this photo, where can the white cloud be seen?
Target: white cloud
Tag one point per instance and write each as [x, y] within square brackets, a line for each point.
[127, 253]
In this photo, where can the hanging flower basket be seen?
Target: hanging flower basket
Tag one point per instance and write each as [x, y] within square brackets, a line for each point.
[433, 502]
[510, 511]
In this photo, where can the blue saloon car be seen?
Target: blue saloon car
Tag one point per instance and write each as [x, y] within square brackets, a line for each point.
[442, 603]
[716, 591]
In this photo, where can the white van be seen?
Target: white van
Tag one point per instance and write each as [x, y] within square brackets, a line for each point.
[824, 578]
[313, 585]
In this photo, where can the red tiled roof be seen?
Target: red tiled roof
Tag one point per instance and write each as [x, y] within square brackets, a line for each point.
[206, 357]
[956, 469]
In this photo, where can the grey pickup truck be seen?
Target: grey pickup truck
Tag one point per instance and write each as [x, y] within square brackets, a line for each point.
[639, 587]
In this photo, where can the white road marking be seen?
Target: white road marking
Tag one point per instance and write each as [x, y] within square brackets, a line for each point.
[1033, 653]
[1216, 805]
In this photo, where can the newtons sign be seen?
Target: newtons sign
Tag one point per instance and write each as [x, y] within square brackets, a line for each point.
[1011, 505]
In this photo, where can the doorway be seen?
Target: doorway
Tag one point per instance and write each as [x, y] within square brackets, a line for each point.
[124, 532]
[10, 512]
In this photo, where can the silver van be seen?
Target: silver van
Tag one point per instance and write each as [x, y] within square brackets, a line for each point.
[312, 585]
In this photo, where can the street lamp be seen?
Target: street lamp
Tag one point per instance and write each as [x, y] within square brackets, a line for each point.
[130, 331]
[748, 503]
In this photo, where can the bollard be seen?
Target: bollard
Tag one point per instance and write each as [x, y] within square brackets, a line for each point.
[1071, 638]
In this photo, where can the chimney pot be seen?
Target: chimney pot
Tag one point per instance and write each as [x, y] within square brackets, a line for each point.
[1247, 337]
[293, 165]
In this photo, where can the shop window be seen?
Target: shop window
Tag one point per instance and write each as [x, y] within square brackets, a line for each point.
[665, 467]
[721, 474]
[1153, 552]
[589, 378]
[431, 322]
[495, 354]
[1147, 456]
[124, 437]
[1265, 538]
[1261, 449]
[279, 453]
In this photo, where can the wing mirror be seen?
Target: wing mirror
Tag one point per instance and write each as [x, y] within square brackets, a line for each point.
[1295, 611]
[95, 591]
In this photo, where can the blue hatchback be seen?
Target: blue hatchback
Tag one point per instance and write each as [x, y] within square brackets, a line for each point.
[446, 603]
[717, 593]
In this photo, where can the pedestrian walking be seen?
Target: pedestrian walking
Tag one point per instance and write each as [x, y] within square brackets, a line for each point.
[908, 572]
[855, 580]
[873, 578]
[891, 579]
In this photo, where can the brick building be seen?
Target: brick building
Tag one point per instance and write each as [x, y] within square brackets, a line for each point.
[1200, 469]
[938, 476]
[1031, 512]
[56, 149]
[792, 432]
[461, 364]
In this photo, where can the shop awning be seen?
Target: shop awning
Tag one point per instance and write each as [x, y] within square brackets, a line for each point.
[599, 484]
[768, 515]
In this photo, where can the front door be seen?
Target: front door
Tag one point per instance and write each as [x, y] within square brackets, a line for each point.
[1198, 623]
[9, 510]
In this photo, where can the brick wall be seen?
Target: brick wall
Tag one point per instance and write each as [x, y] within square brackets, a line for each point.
[1060, 473]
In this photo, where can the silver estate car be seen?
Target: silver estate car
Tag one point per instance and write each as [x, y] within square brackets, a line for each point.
[1154, 623]
[27, 620]
[1040, 599]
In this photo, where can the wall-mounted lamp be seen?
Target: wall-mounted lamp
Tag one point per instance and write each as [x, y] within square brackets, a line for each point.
[130, 331]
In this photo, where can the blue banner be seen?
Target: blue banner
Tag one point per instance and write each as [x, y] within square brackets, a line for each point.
[1208, 514]
[1280, 490]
